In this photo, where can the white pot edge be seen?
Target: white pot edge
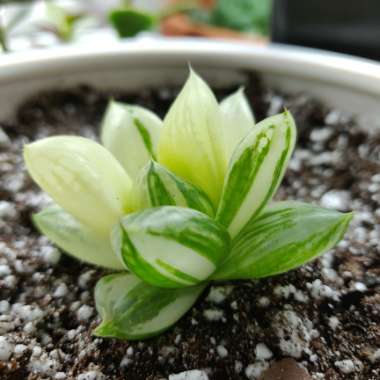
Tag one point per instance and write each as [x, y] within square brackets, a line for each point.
[352, 84]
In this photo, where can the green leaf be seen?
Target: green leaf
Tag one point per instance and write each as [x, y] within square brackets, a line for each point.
[255, 171]
[285, 236]
[132, 309]
[131, 134]
[82, 177]
[159, 187]
[128, 22]
[75, 238]
[191, 143]
[238, 120]
[242, 15]
[170, 246]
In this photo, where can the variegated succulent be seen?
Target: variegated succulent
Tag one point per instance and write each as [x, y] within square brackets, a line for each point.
[175, 204]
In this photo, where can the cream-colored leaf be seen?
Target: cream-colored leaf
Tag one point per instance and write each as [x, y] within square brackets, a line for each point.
[131, 134]
[191, 142]
[238, 120]
[82, 177]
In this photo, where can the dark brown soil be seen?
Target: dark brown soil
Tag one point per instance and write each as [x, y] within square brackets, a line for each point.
[325, 315]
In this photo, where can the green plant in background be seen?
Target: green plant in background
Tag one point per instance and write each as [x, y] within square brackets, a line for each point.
[128, 20]
[251, 16]
[176, 204]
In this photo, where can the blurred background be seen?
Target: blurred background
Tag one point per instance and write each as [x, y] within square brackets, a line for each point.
[347, 26]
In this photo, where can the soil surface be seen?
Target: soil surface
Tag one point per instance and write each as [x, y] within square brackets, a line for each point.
[324, 316]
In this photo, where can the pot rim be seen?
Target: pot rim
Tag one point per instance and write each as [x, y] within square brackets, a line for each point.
[334, 68]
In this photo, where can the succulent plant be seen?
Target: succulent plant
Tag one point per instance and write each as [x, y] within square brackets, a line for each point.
[175, 204]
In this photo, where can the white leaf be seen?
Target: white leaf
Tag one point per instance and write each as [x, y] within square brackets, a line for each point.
[131, 134]
[238, 120]
[191, 142]
[82, 177]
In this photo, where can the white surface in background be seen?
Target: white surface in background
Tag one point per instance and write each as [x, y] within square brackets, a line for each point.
[93, 29]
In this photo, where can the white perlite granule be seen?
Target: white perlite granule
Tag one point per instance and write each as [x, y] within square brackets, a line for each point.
[222, 351]
[288, 290]
[60, 291]
[213, 314]
[20, 349]
[375, 356]
[194, 374]
[345, 366]
[84, 312]
[295, 333]
[4, 306]
[337, 200]
[44, 365]
[262, 352]
[50, 254]
[333, 322]
[318, 290]
[91, 375]
[7, 210]
[6, 348]
[218, 294]
[253, 371]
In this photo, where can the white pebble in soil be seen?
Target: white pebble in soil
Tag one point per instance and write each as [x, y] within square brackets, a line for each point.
[222, 351]
[91, 375]
[6, 348]
[60, 291]
[194, 374]
[84, 312]
[7, 210]
[345, 366]
[20, 349]
[295, 333]
[51, 255]
[213, 314]
[218, 294]
[254, 371]
[333, 323]
[4, 306]
[337, 200]
[262, 352]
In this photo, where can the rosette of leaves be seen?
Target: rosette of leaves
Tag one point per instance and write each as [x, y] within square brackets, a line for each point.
[175, 204]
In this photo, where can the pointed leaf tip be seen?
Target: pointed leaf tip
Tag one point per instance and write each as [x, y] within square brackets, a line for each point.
[238, 120]
[285, 236]
[191, 145]
[131, 134]
[256, 170]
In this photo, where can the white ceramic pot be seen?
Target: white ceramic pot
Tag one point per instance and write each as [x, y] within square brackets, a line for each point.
[349, 83]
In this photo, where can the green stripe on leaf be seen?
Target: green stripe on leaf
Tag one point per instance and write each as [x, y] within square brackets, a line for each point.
[145, 136]
[256, 170]
[131, 309]
[170, 246]
[285, 236]
[131, 134]
[157, 186]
